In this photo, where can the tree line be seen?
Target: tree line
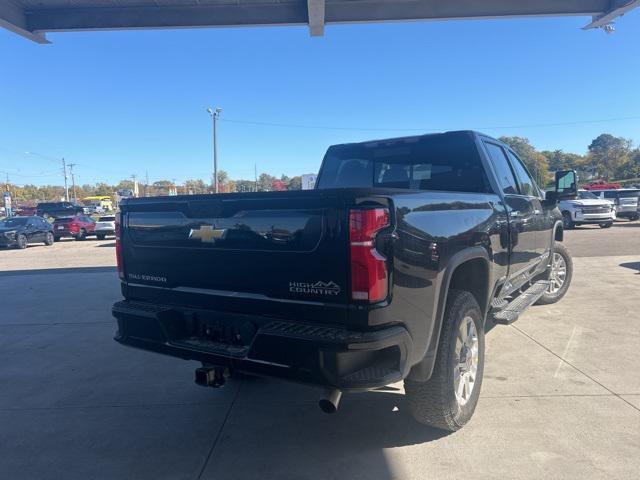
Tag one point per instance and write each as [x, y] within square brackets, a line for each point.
[608, 158]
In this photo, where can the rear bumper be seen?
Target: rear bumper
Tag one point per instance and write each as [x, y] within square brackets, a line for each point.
[310, 353]
[64, 233]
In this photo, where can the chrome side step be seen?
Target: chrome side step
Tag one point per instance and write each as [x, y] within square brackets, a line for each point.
[512, 311]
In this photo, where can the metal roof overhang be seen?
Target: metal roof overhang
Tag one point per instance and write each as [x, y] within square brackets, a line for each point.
[33, 18]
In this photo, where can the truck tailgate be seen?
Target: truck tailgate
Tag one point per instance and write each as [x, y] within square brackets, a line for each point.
[278, 248]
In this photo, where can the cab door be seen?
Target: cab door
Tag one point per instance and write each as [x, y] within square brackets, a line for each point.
[542, 212]
[523, 212]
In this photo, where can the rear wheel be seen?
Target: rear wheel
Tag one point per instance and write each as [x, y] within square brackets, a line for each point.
[48, 239]
[448, 399]
[21, 242]
[606, 225]
[100, 236]
[561, 272]
[82, 235]
[567, 222]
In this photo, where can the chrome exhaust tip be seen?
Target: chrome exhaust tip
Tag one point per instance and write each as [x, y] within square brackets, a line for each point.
[331, 401]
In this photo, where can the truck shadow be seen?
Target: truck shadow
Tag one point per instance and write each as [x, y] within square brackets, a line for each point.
[632, 266]
[291, 438]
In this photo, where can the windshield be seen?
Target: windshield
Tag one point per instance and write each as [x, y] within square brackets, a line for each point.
[13, 222]
[433, 162]
[584, 195]
[629, 194]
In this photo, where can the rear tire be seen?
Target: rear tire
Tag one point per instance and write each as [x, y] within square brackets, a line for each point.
[100, 236]
[82, 235]
[48, 239]
[448, 399]
[560, 282]
[606, 225]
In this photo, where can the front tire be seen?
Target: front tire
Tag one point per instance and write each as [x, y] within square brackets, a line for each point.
[560, 275]
[48, 239]
[567, 222]
[448, 399]
[21, 242]
[606, 225]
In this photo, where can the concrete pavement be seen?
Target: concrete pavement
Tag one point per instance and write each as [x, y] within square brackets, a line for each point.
[560, 399]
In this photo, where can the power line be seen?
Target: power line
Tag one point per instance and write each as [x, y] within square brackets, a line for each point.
[381, 129]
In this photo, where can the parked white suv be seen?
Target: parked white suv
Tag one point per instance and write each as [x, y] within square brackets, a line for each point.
[105, 226]
[587, 208]
[625, 201]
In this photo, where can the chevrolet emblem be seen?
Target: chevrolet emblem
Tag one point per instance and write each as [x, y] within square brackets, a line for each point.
[207, 234]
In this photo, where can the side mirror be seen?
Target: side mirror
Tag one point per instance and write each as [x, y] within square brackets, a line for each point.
[566, 185]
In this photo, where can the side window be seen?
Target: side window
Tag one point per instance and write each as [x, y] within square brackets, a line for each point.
[527, 185]
[505, 176]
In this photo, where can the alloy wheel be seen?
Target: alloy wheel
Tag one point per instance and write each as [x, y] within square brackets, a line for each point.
[466, 367]
[558, 273]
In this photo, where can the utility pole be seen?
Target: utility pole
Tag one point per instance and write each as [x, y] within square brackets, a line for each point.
[215, 114]
[146, 182]
[66, 187]
[135, 185]
[73, 181]
[255, 174]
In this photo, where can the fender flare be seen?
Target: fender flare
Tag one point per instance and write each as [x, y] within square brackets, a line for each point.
[422, 370]
[557, 234]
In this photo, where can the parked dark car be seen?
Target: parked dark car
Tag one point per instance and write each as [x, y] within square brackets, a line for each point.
[58, 209]
[25, 211]
[390, 269]
[78, 227]
[18, 232]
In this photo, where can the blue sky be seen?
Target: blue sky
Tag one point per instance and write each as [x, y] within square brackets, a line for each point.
[121, 103]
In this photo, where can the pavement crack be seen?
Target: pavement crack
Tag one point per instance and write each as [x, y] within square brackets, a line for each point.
[576, 368]
[219, 434]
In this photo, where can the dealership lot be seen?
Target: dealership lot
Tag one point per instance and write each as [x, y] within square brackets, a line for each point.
[561, 395]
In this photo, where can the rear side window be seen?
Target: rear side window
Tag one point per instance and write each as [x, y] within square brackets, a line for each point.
[107, 219]
[504, 173]
[527, 186]
[433, 162]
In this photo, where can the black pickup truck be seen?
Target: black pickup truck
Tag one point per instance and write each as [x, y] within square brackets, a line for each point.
[393, 268]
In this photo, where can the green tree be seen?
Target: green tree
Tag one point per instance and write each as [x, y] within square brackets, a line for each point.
[608, 155]
[631, 169]
[265, 181]
[560, 160]
[195, 187]
[295, 183]
[245, 185]
[535, 161]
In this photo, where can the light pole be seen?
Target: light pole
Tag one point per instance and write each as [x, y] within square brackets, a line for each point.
[215, 114]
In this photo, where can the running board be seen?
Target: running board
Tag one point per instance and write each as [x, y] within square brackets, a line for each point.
[511, 312]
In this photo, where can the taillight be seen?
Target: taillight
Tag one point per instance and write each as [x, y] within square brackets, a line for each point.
[368, 267]
[118, 247]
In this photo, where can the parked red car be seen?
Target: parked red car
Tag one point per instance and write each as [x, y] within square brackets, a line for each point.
[601, 185]
[78, 227]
